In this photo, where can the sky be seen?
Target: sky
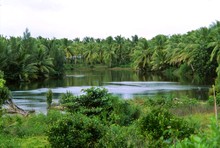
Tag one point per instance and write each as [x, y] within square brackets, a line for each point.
[103, 18]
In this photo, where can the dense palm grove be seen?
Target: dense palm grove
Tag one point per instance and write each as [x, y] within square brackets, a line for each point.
[195, 53]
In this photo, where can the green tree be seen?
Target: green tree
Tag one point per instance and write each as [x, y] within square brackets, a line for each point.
[91, 53]
[158, 57]
[215, 45]
[4, 92]
[43, 62]
[109, 55]
[141, 56]
[49, 96]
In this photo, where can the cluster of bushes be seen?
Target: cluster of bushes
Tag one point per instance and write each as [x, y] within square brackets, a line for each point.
[99, 119]
[98, 102]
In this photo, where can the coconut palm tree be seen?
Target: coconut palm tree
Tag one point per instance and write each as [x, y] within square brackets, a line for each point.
[109, 56]
[43, 62]
[215, 45]
[158, 57]
[91, 54]
[141, 56]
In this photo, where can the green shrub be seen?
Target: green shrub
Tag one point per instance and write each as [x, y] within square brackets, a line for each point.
[210, 139]
[161, 124]
[4, 92]
[92, 102]
[2, 81]
[98, 102]
[123, 113]
[49, 96]
[66, 98]
[76, 131]
[4, 95]
[211, 99]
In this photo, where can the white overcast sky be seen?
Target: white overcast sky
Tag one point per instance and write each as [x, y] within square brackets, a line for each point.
[103, 18]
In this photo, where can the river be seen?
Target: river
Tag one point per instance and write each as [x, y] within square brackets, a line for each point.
[124, 83]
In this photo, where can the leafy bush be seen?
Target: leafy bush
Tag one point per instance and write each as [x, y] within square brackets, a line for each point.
[161, 124]
[76, 131]
[211, 99]
[4, 95]
[49, 96]
[2, 81]
[91, 103]
[98, 102]
[123, 113]
[209, 139]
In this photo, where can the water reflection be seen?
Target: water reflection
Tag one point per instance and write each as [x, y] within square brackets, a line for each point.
[127, 84]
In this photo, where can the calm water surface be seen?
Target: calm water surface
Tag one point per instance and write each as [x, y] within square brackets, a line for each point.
[126, 84]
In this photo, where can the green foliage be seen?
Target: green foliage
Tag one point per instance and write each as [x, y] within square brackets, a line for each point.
[160, 101]
[35, 141]
[209, 139]
[2, 81]
[194, 53]
[161, 124]
[4, 95]
[93, 101]
[123, 113]
[31, 142]
[170, 102]
[9, 141]
[28, 59]
[211, 99]
[98, 102]
[76, 131]
[49, 96]
[18, 131]
[4, 91]
[34, 125]
[116, 123]
[184, 69]
[122, 137]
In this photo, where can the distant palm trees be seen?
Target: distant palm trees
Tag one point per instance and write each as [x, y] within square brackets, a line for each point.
[24, 59]
[196, 53]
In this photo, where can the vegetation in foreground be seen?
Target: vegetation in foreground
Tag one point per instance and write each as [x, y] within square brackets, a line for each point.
[98, 119]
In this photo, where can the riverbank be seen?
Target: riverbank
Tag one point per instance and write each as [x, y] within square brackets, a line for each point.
[85, 67]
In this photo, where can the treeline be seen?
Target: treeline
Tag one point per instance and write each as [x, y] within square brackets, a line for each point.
[194, 53]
